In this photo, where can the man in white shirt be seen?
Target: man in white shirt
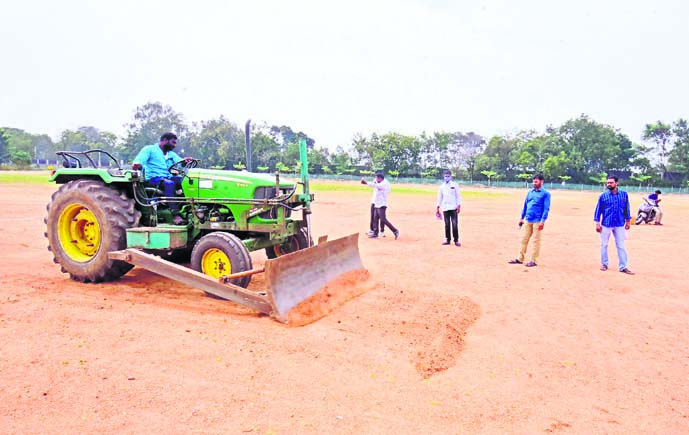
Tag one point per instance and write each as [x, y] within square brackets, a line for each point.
[373, 213]
[380, 202]
[450, 201]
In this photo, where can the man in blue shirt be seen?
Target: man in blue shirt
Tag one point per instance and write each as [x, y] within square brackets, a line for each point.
[535, 211]
[613, 215]
[156, 160]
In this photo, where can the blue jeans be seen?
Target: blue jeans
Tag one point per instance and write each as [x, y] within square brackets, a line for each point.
[168, 186]
[619, 233]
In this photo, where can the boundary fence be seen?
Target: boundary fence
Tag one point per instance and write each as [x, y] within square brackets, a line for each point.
[509, 184]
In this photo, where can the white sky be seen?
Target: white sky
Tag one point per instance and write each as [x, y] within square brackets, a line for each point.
[332, 69]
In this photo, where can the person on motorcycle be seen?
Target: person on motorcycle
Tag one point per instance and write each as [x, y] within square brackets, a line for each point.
[654, 199]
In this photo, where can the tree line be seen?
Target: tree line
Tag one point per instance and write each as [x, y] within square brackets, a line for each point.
[580, 150]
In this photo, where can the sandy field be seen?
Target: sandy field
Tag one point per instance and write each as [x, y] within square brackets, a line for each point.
[444, 340]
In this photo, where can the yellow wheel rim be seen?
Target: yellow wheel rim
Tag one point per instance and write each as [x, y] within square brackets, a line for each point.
[79, 233]
[215, 263]
[279, 250]
[286, 248]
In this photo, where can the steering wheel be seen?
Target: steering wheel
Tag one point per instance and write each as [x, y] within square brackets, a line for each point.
[182, 167]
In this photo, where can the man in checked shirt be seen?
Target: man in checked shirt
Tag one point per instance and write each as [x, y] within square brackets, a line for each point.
[613, 208]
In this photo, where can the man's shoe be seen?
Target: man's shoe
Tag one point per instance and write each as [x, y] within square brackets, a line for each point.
[381, 234]
[458, 244]
[627, 271]
[369, 233]
[515, 261]
[373, 236]
[530, 264]
[446, 242]
[603, 267]
[658, 223]
[397, 234]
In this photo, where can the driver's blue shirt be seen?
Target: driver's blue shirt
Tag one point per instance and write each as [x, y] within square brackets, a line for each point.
[155, 163]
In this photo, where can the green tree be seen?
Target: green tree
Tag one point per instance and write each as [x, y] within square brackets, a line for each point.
[389, 151]
[660, 134]
[498, 155]
[264, 148]
[22, 159]
[591, 147]
[284, 135]
[4, 151]
[555, 166]
[341, 159]
[678, 158]
[89, 138]
[564, 178]
[640, 178]
[599, 178]
[525, 178]
[218, 142]
[35, 145]
[150, 121]
[489, 175]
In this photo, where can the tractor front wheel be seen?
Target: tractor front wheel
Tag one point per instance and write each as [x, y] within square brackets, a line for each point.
[219, 254]
[295, 242]
[87, 219]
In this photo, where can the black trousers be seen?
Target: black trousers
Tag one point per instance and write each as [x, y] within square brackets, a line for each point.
[451, 220]
[373, 220]
[380, 220]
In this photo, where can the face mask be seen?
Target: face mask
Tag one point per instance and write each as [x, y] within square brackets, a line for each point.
[448, 178]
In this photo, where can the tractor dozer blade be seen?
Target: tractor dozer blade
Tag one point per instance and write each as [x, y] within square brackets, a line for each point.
[293, 278]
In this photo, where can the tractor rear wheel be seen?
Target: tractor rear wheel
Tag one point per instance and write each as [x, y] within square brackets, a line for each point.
[218, 254]
[295, 243]
[86, 219]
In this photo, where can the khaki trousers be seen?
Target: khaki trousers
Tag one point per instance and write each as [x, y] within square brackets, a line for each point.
[529, 230]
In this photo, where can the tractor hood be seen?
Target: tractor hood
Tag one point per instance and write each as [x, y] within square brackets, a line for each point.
[239, 178]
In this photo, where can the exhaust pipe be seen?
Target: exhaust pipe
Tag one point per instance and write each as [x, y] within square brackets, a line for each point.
[247, 133]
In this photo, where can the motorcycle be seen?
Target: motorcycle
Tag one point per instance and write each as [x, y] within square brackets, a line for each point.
[646, 213]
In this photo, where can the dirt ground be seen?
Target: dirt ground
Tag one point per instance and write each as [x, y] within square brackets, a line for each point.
[444, 340]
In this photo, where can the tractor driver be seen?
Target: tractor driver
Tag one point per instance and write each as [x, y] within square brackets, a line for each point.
[156, 161]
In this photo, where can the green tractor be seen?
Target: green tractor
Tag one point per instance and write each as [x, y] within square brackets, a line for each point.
[103, 221]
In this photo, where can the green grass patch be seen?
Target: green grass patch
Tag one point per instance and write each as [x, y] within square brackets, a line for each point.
[325, 186]
[24, 177]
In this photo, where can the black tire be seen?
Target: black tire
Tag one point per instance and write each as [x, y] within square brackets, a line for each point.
[639, 219]
[86, 219]
[295, 243]
[217, 254]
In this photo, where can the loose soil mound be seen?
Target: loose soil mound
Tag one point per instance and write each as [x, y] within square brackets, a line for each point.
[347, 286]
